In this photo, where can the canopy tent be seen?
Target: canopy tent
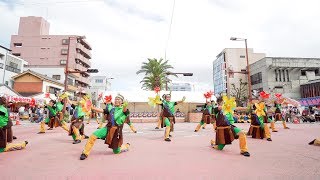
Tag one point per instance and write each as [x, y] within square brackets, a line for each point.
[7, 91]
[143, 96]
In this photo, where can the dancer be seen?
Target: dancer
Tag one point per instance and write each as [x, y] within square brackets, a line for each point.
[226, 132]
[4, 126]
[315, 142]
[278, 115]
[112, 133]
[167, 118]
[82, 108]
[207, 115]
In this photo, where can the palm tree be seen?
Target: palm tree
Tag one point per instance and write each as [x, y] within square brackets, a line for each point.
[156, 73]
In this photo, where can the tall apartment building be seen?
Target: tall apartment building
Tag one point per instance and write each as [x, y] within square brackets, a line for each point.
[232, 60]
[47, 54]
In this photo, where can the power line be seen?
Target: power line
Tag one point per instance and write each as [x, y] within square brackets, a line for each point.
[165, 52]
[52, 3]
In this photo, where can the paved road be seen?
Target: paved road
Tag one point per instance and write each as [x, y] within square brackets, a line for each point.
[188, 156]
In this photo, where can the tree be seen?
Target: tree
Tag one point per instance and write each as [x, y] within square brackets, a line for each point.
[155, 72]
[240, 92]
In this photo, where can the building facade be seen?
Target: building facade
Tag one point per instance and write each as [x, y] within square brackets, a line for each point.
[98, 85]
[230, 66]
[40, 49]
[10, 66]
[283, 74]
[30, 83]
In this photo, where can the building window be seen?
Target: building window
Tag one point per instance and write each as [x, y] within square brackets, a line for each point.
[303, 73]
[65, 41]
[57, 77]
[7, 83]
[1, 65]
[284, 76]
[17, 44]
[288, 79]
[64, 51]
[13, 67]
[316, 72]
[242, 56]
[99, 80]
[52, 90]
[279, 75]
[256, 78]
[16, 54]
[276, 74]
[63, 62]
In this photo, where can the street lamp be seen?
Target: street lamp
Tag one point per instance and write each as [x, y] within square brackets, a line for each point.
[248, 69]
[171, 73]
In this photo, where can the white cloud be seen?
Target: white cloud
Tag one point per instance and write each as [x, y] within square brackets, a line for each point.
[125, 33]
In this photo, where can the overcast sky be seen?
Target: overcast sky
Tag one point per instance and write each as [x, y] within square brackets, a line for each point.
[124, 33]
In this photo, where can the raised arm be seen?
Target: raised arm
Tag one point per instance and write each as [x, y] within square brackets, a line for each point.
[182, 100]
[99, 110]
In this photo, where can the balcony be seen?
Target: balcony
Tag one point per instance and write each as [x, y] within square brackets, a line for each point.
[83, 59]
[86, 51]
[80, 67]
[72, 88]
[83, 80]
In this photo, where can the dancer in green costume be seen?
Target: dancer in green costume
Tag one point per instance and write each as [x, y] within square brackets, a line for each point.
[4, 126]
[112, 133]
[226, 132]
[167, 115]
[207, 116]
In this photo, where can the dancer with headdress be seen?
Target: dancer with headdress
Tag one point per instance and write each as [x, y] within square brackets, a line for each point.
[112, 133]
[259, 121]
[207, 115]
[5, 125]
[81, 109]
[278, 116]
[226, 132]
[56, 114]
[167, 115]
[167, 111]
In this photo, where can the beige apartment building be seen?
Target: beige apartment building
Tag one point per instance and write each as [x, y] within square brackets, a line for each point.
[232, 60]
[47, 54]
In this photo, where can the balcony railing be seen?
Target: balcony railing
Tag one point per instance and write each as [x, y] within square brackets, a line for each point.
[84, 50]
[13, 69]
[83, 59]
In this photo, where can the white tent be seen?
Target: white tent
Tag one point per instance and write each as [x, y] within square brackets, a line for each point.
[142, 96]
[6, 90]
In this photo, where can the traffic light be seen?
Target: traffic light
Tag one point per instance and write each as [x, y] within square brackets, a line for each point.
[187, 74]
[92, 70]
